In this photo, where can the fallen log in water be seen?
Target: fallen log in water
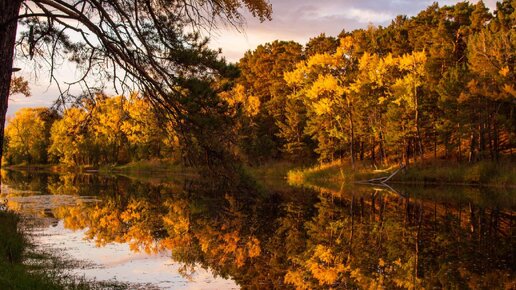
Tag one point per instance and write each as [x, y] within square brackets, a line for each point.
[381, 180]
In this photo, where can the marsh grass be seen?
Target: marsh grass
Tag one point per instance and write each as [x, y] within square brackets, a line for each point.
[12, 241]
[25, 268]
[502, 174]
[151, 165]
[13, 244]
[338, 171]
[277, 170]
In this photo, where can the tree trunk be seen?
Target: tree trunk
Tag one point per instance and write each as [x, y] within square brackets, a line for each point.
[417, 121]
[496, 136]
[361, 150]
[352, 135]
[382, 151]
[459, 143]
[490, 136]
[408, 144]
[472, 146]
[373, 155]
[481, 139]
[9, 10]
[351, 234]
[435, 145]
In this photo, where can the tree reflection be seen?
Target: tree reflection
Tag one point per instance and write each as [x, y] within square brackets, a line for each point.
[347, 238]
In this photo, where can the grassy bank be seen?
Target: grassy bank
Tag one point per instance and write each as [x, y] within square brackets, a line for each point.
[24, 268]
[13, 250]
[142, 167]
[490, 173]
[146, 166]
[56, 168]
[502, 174]
[34, 167]
[277, 169]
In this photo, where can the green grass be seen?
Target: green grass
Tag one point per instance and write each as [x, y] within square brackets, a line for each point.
[47, 167]
[149, 167]
[324, 172]
[337, 171]
[143, 166]
[481, 173]
[21, 267]
[13, 244]
[277, 169]
[502, 174]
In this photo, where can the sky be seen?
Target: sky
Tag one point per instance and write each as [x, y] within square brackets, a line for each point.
[297, 20]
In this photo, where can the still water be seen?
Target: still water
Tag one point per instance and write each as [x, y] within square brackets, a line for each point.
[199, 234]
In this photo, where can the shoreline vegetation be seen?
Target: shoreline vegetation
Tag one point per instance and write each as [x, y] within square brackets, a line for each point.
[24, 267]
[140, 167]
[439, 172]
[15, 249]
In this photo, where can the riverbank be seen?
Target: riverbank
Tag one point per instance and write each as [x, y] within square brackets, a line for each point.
[148, 167]
[25, 267]
[485, 173]
[14, 249]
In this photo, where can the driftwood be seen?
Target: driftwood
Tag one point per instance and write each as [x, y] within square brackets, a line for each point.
[380, 183]
[381, 180]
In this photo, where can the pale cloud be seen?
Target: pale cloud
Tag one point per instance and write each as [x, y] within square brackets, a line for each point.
[300, 20]
[369, 16]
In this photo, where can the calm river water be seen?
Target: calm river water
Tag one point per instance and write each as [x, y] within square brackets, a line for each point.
[154, 233]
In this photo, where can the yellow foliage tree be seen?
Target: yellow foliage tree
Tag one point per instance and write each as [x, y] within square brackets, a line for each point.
[69, 139]
[322, 84]
[27, 137]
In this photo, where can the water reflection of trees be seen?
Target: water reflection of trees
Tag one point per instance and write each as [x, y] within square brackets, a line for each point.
[353, 238]
[391, 241]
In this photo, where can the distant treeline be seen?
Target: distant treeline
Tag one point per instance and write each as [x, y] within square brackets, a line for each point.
[439, 84]
[110, 130]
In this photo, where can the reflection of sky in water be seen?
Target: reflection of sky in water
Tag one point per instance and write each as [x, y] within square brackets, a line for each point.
[111, 262]
[118, 262]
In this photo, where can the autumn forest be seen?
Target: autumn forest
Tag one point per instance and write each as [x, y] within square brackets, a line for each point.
[326, 153]
[440, 84]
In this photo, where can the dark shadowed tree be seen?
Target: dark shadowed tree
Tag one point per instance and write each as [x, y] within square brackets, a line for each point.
[19, 86]
[154, 46]
[262, 76]
[321, 44]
